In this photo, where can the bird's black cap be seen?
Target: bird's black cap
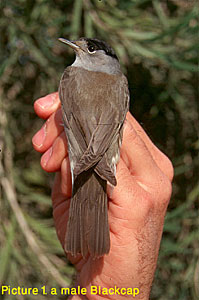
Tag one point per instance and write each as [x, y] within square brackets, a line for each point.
[100, 45]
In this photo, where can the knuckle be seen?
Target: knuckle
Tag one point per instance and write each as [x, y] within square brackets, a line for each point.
[167, 190]
[164, 190]
[169, 170]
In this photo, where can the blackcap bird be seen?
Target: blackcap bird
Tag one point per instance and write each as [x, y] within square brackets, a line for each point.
[95, 99]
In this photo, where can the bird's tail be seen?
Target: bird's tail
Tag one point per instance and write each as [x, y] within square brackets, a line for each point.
[87, 228]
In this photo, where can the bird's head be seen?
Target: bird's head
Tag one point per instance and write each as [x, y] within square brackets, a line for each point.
[94, 55]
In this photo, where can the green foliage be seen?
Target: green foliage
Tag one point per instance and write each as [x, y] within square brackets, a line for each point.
[157, 43]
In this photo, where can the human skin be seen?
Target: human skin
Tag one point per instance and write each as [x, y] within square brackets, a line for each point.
[137, 205]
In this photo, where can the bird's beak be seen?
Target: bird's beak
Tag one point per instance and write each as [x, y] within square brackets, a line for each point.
[69, 43]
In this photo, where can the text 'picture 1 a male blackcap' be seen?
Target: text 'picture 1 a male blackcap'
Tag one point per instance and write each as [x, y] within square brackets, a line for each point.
[95, 99]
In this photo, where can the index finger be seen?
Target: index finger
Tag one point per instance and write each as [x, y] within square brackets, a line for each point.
[45, 106]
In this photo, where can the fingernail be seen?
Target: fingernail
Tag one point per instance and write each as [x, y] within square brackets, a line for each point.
[46, 102]
[39, 137]
[46, 156]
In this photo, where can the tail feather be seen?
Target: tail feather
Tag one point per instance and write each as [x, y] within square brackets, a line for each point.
[99, 240]
[87, 228]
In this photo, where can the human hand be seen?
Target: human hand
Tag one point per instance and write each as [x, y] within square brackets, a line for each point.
[137, 205]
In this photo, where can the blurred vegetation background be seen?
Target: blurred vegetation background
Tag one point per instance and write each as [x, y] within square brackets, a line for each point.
[157, 43]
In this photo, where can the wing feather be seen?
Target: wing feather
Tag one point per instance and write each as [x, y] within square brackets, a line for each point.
[93, 114]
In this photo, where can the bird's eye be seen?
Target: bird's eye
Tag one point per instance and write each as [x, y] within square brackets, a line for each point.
[91, 49]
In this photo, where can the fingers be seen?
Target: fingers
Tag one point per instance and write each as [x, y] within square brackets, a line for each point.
[137, 156]
[160, 158]
[61, 192]
[143, 167]
[45, 106]
[52, 128]
[62, 187]
[51, 138]
[52, 159]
